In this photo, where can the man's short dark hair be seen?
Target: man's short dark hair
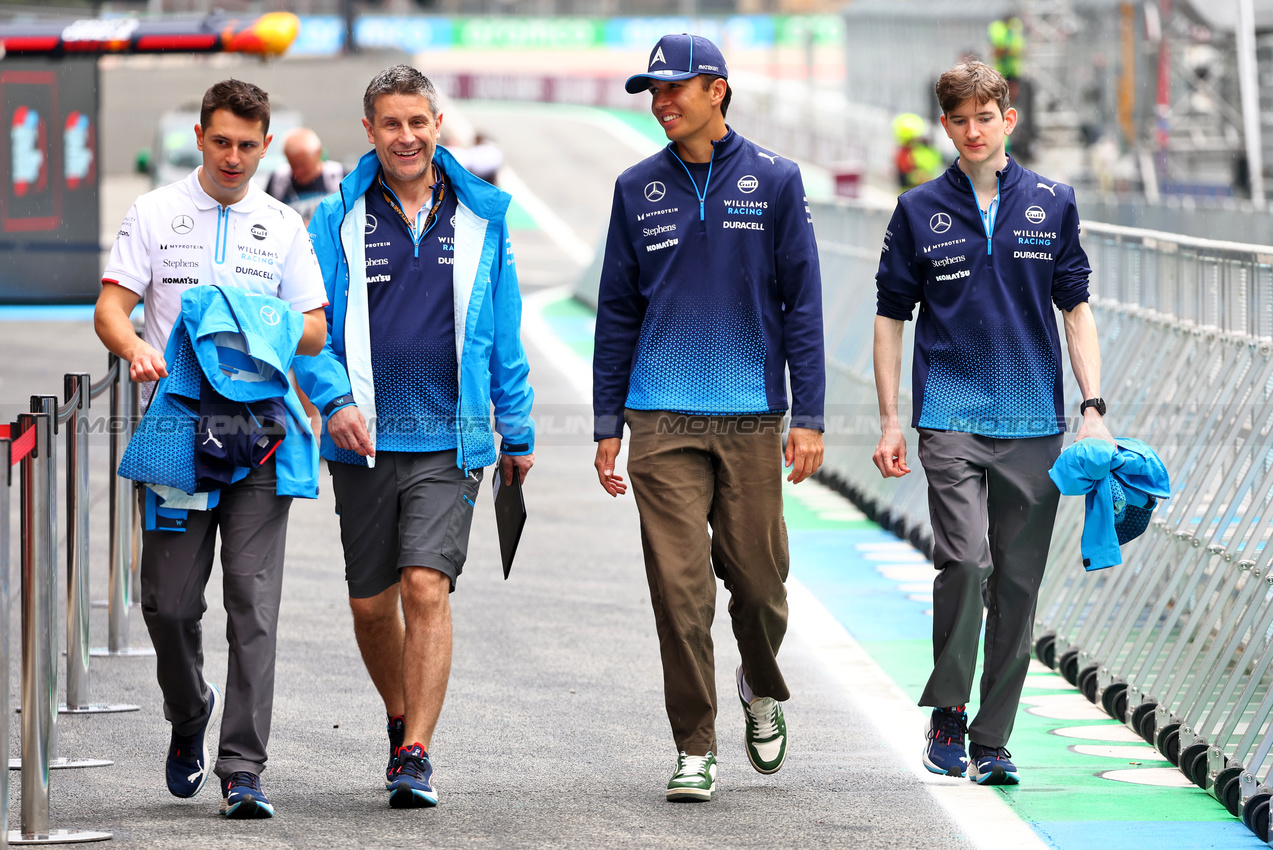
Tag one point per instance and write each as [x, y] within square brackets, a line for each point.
[707, 80]
[398, 79]
[244, 100]
[972, 80]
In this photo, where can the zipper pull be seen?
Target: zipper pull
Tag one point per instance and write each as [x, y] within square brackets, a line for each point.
[702, 216]
[989, 247]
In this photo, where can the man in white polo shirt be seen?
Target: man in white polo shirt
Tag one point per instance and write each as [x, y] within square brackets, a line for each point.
[214, 227]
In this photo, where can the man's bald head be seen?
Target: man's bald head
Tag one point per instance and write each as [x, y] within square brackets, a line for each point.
[304, 152]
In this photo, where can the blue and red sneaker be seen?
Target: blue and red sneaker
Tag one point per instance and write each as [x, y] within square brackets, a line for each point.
[992, 766]
[944, 751]
[397, 729]
[242, 797]
[411, 785]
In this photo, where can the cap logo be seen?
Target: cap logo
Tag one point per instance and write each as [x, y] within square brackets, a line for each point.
[657, 57]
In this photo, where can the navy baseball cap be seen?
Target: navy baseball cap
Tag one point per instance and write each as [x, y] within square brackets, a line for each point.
[679, 57]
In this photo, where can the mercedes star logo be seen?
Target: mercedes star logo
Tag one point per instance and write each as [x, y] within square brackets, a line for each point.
[369, 227]
[654, 191]
[940, 223]
[182, 224]
[269, 315]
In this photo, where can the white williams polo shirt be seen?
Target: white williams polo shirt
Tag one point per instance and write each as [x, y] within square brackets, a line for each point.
[178, 236]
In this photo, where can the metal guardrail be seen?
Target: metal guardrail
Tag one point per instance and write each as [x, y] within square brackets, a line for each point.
[1177, 642]
[31, 444]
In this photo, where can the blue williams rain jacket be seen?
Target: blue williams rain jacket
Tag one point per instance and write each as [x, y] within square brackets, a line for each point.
[492, 364]
[1122, 484]
[241, 343]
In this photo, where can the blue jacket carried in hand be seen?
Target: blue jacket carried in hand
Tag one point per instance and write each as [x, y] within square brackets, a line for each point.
[1122, 484]
[239, 344]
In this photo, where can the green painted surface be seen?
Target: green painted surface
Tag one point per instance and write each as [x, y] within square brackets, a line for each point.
[518, 219]
[572, 321]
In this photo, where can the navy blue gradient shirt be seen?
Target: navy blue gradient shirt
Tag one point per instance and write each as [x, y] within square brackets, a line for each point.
[411, 302]
[710, 291]
[987, 349]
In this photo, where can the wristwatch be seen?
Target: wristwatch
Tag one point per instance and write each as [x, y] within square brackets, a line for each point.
[1098, 403]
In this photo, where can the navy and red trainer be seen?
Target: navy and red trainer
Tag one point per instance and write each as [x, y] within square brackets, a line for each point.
[411, 785]
[992, 766]
[397, 729]
[944, 751]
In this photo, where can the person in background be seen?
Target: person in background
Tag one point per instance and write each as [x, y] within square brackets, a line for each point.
[307, 178]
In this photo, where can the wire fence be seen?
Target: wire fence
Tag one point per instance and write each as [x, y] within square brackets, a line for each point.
[1177, 642]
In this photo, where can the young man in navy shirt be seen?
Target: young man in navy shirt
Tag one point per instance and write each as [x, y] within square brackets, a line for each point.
[985, 250]
[710, 291]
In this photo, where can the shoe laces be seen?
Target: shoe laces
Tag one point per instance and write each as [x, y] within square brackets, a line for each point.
[412, 760]
[763, 717]
[251, 780]
[996, 753]
[949, 724]
[692, 765]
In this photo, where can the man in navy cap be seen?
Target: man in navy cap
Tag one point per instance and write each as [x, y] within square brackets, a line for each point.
[710, 292]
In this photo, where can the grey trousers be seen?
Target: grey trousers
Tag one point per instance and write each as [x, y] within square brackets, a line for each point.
[992, 507]
[175, 568]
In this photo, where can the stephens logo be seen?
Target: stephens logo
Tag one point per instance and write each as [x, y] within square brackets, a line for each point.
[259, 231]
[28, 142]
[654, 191]
[77, 149]
[748, 184]
[1035, 215]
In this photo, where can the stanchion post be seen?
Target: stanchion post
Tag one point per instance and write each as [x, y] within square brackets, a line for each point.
[121, 516]
[78, 683]
[37, 673]
[39, 670]
[47, 467]
[6, 481]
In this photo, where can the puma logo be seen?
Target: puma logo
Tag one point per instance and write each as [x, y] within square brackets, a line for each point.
[212, 439]
[771, 157]
[1051, 189]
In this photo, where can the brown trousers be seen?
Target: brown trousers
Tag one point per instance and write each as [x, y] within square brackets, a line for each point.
[709, 491]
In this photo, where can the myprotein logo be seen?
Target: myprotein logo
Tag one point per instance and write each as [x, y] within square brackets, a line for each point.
[654, 191]
[748, 184]
[940, 222]
[259, 232]
[1035, 215]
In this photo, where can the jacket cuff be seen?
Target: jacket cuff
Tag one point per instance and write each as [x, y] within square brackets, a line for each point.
[337, 403]
[813, 423]
[507, 448]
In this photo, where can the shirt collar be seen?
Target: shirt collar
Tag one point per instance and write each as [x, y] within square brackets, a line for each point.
[202, 200]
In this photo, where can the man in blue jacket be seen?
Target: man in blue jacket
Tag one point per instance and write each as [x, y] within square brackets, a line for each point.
[710, 292]
[424, 334]
[985, 250]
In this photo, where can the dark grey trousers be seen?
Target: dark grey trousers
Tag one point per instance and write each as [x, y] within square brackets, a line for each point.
[175, 568]
[992, 507]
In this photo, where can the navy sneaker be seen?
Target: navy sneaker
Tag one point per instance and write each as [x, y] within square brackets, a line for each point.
[187, 769]
[411, 786]
[242, 797]
[397, 728]
[944, 751]
[992, 766]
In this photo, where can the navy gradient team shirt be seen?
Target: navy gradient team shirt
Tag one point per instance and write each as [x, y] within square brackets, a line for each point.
[710, 291]
[987, 350]
[410, 299]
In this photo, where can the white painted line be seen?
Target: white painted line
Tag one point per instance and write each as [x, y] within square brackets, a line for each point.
[577, 371]
[907, 572]
[1158, 777]
[983, 817]
[1063, 707]
[898, 557]
[1124, 753]
[883, 546]
[579, 251]
[1114, 733]
[917, 587]
[1047, 680]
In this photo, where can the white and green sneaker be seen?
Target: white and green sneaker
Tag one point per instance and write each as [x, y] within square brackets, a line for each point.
[766, 735]
[694, 780]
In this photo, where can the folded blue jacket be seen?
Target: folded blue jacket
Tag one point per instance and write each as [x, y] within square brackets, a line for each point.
[241, 344]
[1122, 484]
